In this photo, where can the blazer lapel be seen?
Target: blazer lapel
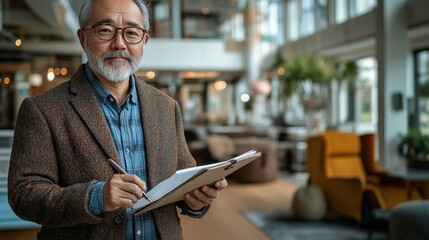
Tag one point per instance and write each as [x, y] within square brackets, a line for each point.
[150, 127]
[86, 105]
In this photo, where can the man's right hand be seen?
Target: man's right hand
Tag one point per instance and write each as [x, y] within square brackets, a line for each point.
[122, 191]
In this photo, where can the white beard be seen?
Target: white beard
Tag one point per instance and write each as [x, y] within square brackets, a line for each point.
[117, 71]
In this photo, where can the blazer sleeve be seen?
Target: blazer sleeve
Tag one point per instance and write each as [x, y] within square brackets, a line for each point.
[185, 159]
[34, 192]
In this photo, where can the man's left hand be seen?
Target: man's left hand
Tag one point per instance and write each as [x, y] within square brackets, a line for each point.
[205, 195]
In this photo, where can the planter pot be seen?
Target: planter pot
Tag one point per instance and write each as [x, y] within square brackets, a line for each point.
[419, 163]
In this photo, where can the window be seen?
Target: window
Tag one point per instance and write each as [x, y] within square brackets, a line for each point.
[222, 19]
[367, 90]
[200, 26]
[270, 25]
[233, 29]
[422, 90]
[293, 29]
[366, 95]
[360, 7]
[161, 24]
[340, 11]
[321, 14]
[347, 9]
[305, 17]
[358, 100]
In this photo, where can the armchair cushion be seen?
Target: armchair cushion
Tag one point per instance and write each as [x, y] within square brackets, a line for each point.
[342, 155]
[368, 143]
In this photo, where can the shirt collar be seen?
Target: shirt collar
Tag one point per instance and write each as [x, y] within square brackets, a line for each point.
[101, 93]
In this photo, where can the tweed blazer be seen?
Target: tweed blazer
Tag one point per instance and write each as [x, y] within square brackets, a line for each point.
[61, 146]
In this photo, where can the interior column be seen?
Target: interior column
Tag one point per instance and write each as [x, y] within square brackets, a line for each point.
[392, 49]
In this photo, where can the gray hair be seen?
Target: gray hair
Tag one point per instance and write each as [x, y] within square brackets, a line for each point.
[85, 13]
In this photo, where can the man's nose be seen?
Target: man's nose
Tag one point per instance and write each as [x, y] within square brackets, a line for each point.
[118, 42]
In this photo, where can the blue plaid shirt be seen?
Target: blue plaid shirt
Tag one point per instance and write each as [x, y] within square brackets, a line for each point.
[125, 125]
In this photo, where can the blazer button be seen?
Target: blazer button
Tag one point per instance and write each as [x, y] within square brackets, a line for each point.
[118, 219]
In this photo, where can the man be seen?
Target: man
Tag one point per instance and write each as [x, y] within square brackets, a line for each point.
[59, 172]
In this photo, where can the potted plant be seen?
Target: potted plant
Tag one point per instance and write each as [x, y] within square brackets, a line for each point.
[299, 70]
[414, 147]
[305, 78]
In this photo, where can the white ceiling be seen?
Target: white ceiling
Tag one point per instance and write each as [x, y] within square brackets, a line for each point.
[39, 19]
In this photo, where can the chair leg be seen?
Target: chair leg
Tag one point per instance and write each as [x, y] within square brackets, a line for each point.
[367, 207]
[370, 230]
[378, 218]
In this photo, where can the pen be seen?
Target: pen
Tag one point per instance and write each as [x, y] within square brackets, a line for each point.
[122, 171]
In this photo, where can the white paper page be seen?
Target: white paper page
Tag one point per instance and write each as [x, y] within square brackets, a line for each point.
[168, 185]
[245, 155]
[179, 178]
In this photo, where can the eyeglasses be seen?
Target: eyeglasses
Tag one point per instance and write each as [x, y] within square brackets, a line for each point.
[107, 32]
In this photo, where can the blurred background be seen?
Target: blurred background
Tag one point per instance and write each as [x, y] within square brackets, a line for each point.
[265, 73]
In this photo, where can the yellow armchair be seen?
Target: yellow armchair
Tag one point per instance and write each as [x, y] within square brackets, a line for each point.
[335, 164]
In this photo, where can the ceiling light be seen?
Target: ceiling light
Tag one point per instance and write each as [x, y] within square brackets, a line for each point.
[151, 74]
[244, 97]
[205, 11]
[6, 80]
[18, 42]
[63, 71]
[11, 37]
[51, 76]
[220, 85]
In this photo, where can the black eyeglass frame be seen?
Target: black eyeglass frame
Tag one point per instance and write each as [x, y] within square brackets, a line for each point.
[116, 32]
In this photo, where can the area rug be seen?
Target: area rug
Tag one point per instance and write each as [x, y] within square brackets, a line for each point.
[283, 226]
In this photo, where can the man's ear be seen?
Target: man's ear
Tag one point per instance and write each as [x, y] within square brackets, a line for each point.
[81, 36]
[146, 38]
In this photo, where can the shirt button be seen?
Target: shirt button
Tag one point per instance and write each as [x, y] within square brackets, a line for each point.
[127, 151]
[139, 232]
[111, 99]
[118, 220]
